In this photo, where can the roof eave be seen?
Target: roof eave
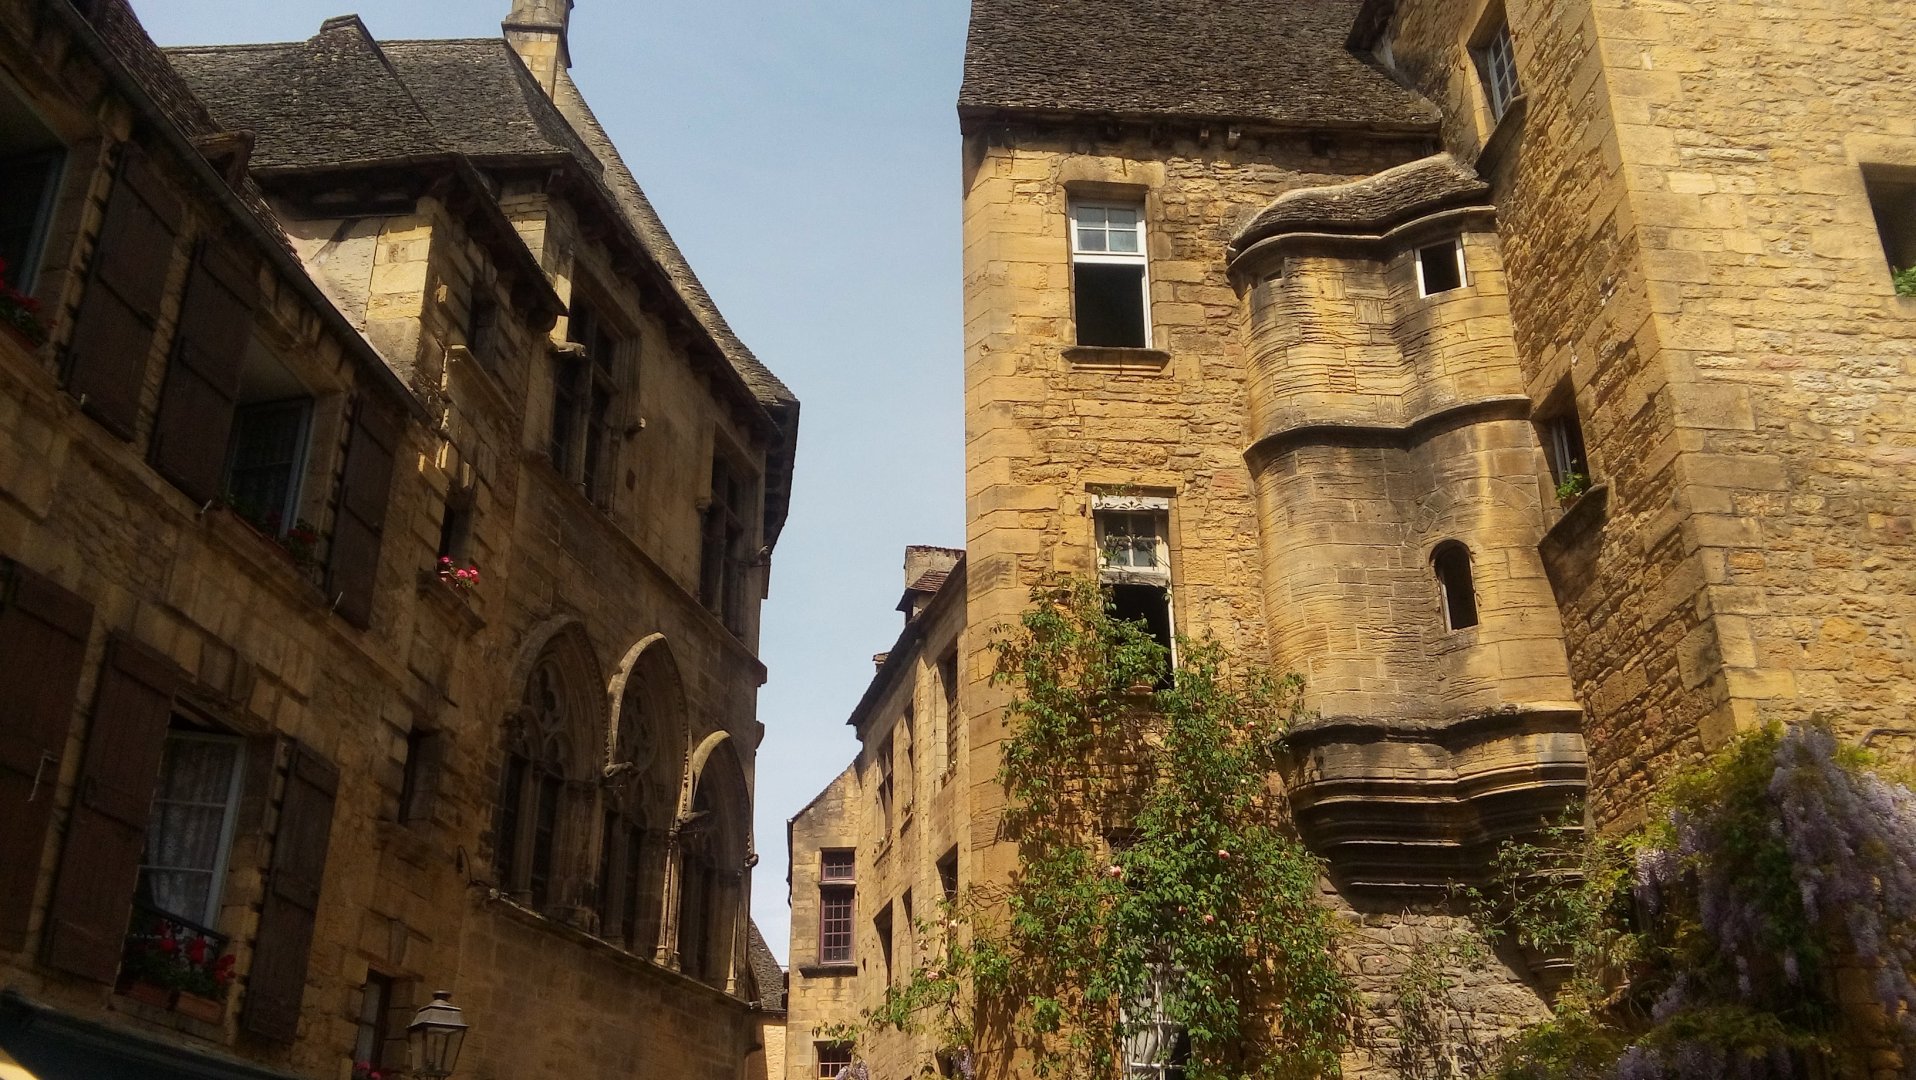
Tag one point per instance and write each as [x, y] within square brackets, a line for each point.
[972, 115]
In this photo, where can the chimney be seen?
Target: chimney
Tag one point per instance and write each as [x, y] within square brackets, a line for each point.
[537, 31]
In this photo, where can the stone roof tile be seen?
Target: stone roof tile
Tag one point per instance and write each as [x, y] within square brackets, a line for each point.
[1279, 62]
[1372, 205]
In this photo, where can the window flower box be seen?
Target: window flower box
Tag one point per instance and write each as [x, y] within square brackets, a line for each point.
[172, 964]
[20, 313]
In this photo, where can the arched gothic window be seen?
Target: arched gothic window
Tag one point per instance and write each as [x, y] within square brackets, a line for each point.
[542, 738]
[645, 762]
[1451, 563]
[712, 870]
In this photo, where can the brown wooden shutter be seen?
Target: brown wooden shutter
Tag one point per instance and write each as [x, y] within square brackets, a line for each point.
[99, 867]
[353, 565]
[196, 404]
[276, 984]
[113, 327]
[43, 632]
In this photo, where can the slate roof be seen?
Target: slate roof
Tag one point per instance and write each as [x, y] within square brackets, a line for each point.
[766, 971]
[340, 98]
[1372, 205]
[1276, 62]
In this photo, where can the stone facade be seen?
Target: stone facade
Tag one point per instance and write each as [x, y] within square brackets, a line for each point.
[292, 385]
[1592, 331]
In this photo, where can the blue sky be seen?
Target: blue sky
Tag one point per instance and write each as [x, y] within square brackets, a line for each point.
[804, 154]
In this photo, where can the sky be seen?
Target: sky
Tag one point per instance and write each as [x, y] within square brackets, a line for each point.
[805, 156]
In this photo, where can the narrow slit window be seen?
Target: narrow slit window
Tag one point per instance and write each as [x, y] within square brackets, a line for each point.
[1440, 268]
[1109, 282]
[1563, 445]
[882, 926]
[1451, 563]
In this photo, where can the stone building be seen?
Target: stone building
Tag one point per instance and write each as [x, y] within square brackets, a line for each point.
[385, 510]
[1528, 377]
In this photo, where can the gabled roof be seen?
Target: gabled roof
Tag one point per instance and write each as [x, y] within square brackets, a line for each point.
[340, 98]
[1281, 63]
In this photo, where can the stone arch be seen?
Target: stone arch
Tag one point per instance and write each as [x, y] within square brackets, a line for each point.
[642, 762]
[714, 856]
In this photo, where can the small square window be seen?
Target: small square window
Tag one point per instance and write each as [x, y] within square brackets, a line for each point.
[1108, 277]
[1440, 268]
[839, 865]
[832, 1058]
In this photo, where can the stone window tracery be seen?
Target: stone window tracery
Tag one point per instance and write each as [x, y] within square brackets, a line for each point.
[533, 792]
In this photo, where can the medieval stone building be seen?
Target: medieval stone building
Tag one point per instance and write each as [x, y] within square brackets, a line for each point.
[385, 510]
[1528, 377]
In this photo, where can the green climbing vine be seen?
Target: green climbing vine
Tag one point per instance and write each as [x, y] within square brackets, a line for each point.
[1156, 881]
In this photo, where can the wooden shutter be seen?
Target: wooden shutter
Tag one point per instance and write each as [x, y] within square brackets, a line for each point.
[99, 867]
[43, 632]
[353, 565]
[277, 981]
[202, 383]
[113, 327]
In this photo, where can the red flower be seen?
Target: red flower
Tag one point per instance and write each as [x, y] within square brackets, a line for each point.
[196, 951]
[169, 946]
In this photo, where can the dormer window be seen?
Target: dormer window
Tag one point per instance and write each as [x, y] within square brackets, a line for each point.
[1109, 284]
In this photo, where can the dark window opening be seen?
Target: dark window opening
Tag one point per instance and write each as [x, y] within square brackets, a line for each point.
[1451, 563]
[511, 813]
[1147, 604]
[545, 829]
[1110, 305]
[374, 1031]
[456, 522]
[621, 861]
[586, 382]
[634, 865]
[267, 458]
[1563, 445]
[30, 159]
[837, 865]
[948, 681]
[1893, 202]
[887, 788]
[723, 559]
[948, 876]
[883, 926]
[1440, 268]
[419, 788]
[482, 327]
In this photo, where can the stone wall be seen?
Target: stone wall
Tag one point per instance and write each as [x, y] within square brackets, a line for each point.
[1691, 248]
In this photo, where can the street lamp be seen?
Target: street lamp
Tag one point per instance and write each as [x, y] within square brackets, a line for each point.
[434, 1036]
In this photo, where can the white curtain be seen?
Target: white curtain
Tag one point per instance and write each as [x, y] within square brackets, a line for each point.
[186, 835]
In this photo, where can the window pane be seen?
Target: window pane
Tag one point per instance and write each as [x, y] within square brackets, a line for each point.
[267, 444]
[837, 865]
[1110, 303]
[1090, 239]
[1122, 217]
[187, 832]
[1092, 216]
[1124, 241]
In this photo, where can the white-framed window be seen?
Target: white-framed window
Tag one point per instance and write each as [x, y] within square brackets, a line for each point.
[190, 830]
[1440, 268]
[1134, 561]
[1155, 1046]
[1497, 64]
[1110, 284]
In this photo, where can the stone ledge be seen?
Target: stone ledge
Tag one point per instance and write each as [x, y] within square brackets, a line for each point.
[1120, 361]
[1399, 436]
[1585, 514]
[1503, 134]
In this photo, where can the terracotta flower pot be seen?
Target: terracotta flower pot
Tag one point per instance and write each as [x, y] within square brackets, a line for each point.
[204, 1009]
[151, 994]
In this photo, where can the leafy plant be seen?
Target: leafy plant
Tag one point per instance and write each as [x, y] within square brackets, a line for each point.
[1905, 280]
[1713, 937]
[1155, 877]
[1572, 485]
[1434, 1038]
[170, 954]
